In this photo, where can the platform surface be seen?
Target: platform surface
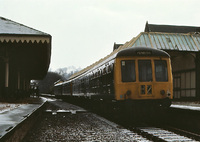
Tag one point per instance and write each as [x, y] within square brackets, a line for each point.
[12, 114]
[186, 105]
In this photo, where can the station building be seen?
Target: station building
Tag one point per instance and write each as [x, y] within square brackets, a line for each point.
[24, 55]
[183, 45]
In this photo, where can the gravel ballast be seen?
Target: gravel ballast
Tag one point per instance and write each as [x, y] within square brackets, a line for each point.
[62, 126]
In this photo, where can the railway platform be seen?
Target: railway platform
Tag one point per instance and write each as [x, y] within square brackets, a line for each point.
[195, 106]
[12, 115]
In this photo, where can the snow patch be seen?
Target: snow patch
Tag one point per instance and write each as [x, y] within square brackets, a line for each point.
[186, 107]
[7, 107]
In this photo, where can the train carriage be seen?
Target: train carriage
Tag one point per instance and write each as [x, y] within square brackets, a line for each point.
[136, 74]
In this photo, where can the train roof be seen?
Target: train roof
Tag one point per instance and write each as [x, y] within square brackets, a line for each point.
[142, 51]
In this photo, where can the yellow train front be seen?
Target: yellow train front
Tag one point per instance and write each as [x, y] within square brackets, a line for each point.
[143, 75]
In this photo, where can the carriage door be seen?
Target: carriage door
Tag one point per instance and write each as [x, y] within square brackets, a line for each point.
[145, 77]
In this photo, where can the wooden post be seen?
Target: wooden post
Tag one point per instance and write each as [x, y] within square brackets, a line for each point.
[6, 73]
[18, 80]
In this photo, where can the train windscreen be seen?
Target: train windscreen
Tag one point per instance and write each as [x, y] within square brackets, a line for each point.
[161, 70]
[128, 71]
[145, 70]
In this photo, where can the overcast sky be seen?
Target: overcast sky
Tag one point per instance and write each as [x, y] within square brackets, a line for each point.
[83, 31]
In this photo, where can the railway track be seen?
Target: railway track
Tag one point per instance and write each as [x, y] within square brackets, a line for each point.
[161, 135]
[158, 131]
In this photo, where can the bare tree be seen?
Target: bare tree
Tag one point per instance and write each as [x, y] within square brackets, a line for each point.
[67, 71]
[46, 85]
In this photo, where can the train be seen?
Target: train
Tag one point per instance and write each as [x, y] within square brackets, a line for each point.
[136, 75]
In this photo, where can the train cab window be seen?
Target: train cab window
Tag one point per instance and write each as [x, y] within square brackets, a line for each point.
[161, 70]
[145, 70]
[128, 71]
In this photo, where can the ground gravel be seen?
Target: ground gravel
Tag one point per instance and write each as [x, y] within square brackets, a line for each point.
[84, 126]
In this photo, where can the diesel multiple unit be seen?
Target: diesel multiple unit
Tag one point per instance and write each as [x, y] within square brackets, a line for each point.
[139, 74]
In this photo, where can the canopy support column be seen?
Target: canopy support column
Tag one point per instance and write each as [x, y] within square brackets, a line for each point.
[6, 73]
[18, 80]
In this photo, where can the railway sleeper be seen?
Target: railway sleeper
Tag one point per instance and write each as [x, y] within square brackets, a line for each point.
[160, 135]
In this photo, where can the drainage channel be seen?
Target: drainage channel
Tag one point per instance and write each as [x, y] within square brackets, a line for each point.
[158, 134]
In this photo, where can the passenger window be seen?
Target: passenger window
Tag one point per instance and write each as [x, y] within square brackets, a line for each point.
[128, 71]
[161, 70]
[145, 70]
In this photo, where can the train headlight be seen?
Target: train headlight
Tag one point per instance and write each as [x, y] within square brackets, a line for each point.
[162, 92]
[168, 93]
[128, 93]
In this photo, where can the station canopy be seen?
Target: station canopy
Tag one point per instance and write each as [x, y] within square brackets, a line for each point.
[27, 49]
[168, 41]
[164, 37]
